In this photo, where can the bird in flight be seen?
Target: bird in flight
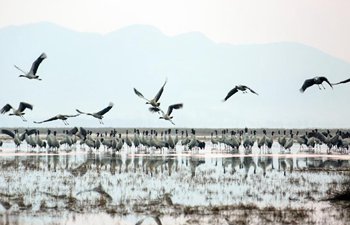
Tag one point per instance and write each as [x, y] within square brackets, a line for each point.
[32, 72]
[167, 115]
[316, 80]
[342, 82]
[99, 114]
[237, 88]
[155, 101]
[17, 112]
[58, 117]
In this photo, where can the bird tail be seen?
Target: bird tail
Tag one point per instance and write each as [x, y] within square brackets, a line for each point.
[301, 90]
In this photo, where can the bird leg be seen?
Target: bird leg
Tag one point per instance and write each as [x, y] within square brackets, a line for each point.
[101, 121]
[323, 86]
[22, 117]
[319, 87]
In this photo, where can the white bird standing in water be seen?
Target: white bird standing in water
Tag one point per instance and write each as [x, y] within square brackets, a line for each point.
[32, 72]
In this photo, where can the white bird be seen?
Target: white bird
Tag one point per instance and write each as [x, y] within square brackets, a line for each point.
[99, 114]
[17, 112]
[32, 72]
[237, 88]
[153, 102]
[58, 117]
[167, 116]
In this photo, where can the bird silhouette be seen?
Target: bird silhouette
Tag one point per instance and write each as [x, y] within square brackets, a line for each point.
[237, 88]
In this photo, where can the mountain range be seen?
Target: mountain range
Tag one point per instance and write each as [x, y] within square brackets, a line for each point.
[88, 70]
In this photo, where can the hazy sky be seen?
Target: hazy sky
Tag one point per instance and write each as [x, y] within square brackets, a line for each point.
[199, 71]
[323, 24]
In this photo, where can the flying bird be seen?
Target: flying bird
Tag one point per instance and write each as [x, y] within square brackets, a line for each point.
[98, 115]
[32, 73]
[342, 82]
[153, 102]
[316, 80]
[58, 117]
[167, 115]
[237, 88]
[17, 112]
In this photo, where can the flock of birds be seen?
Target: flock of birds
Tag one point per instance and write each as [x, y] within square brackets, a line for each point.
[149, 141]
[154, 103]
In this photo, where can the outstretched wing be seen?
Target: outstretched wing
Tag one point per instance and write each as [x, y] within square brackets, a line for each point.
[342, 82]
[80, 112]
[6, 108]
[139, 94]
[31, 131]
[230, 93]
[75, 115]
[24, 105]
[48, 120]
[37, 62]
[160, 92]
[82, 133]
[174, 106]
[307, 83]
[105, 110]
[20, 69]
[8, 132]
[73, 131]
[326, 80]
[251, 90]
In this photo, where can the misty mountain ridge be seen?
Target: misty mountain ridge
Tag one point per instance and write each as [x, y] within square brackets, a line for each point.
[87, 71]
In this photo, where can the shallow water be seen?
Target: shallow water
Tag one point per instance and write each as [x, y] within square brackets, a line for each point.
[210, 187]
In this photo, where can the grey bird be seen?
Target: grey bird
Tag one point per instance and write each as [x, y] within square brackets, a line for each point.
[155, 101]
[167, 115]
[58, 117]
[316, 80]
[99, 114]
[32, 72]
[237, 88]
[17, 112]
[18, 138]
